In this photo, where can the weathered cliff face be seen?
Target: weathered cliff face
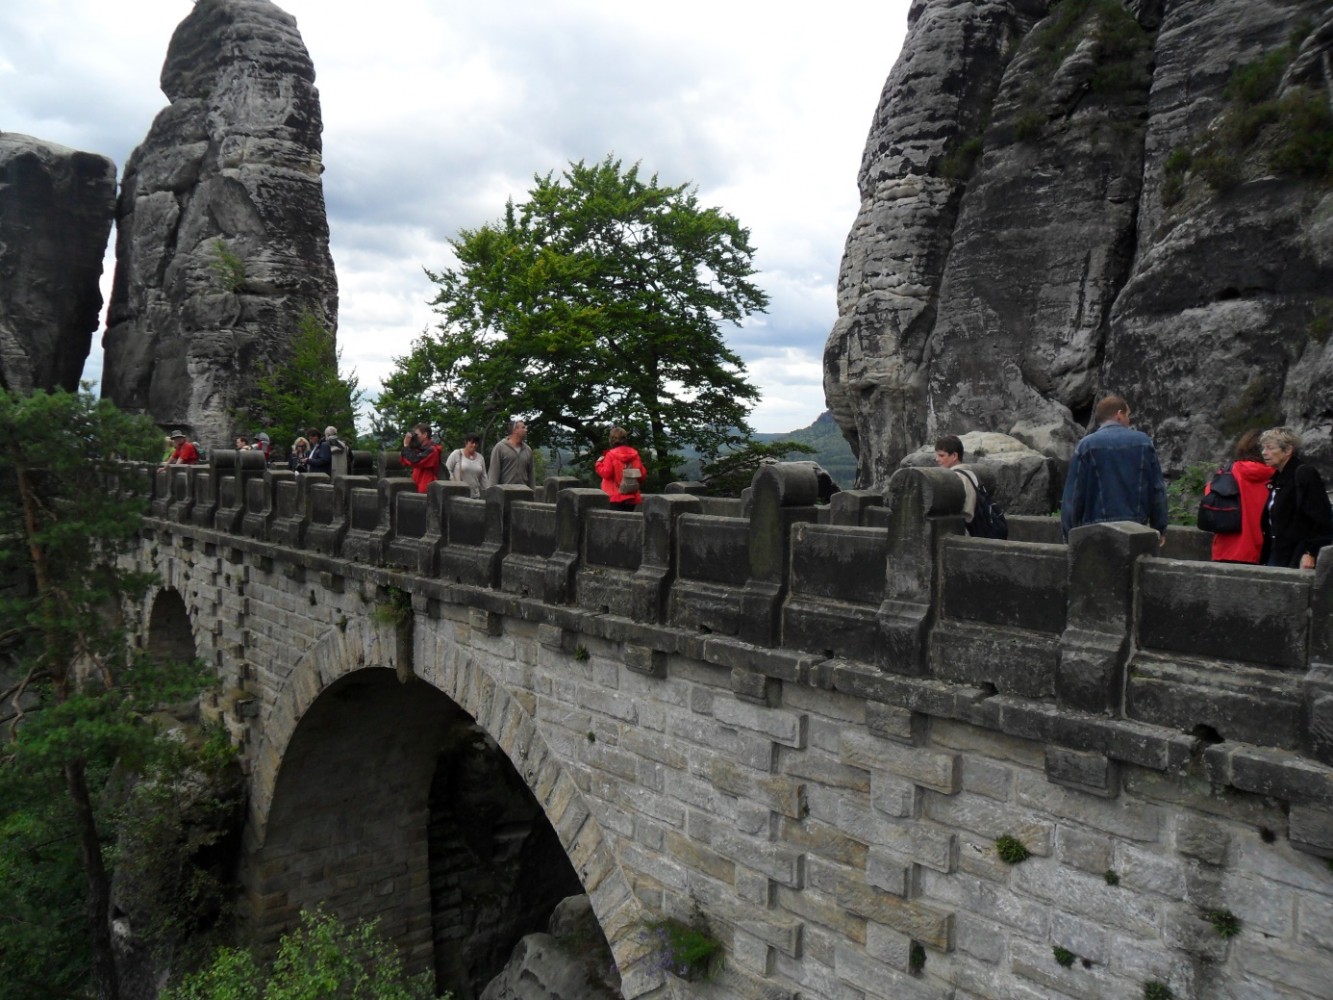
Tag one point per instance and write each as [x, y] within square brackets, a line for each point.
[1061, 200]
[222, 243]
[56, 209]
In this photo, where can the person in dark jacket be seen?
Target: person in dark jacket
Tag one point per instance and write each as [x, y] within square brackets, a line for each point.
[1114, 475]
[321, 458]
[1298, 520]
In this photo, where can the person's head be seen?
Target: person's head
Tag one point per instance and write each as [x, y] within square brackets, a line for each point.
[300, 445]
[1278, 445]
[1112, 408]
[178, 438]
[1248, 449]
[619, 436]
[948, 451]
[422, 431]
[330, 432]
[517, 430]
[470, 444]
[312, 434]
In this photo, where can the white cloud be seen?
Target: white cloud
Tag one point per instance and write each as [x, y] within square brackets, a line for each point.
[434, 114]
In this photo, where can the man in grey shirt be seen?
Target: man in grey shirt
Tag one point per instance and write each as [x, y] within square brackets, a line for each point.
[511, 458]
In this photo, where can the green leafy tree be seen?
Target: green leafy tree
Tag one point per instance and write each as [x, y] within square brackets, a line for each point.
[321, 960]
[74, 699]
[598, 302]
[305, 389]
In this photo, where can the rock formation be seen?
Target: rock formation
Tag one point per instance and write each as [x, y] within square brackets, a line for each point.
[56, 208]
[1026, 481]
[572, 961]
[222, 245]
[1065, 199]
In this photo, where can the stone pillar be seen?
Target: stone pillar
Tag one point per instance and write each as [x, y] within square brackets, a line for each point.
[1319, 678]
[571, 508]
[555, 485]
[923, 505]
[496, 546]
[783, 495]
[848, 508]
[1097, 640]
[657, 566]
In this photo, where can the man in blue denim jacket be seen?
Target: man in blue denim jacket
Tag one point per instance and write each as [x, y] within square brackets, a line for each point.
[1114, 475]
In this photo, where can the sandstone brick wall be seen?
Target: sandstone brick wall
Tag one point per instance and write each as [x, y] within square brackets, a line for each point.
[835, 819]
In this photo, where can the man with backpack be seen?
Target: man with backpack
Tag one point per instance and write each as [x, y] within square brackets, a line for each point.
[982, 515]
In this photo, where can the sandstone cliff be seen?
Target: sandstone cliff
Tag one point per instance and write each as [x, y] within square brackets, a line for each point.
[1061, 200]
[222, 242]
[56, 208]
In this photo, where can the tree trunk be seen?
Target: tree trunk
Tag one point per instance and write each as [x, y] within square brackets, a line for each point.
[98, 906]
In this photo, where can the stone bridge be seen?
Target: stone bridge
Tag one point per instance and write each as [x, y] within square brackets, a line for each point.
[810, 724]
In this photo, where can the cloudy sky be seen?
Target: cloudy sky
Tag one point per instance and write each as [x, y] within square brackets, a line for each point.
[436, 112]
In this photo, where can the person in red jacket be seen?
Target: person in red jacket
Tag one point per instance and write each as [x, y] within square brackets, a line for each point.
[184, 453]
[422, 456]
[622, 472]
[1252, 475]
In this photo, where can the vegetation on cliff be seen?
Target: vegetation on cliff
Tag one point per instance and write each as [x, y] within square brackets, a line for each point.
[77, 701]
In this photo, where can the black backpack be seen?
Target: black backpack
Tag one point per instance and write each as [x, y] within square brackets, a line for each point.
[987, 517]
[1219, 510]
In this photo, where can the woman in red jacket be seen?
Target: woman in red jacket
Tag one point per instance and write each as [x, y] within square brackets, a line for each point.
[624, 490]
[1252, 474]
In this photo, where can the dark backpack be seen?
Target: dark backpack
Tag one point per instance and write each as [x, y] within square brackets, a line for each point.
[1219, 510]
[987, 517]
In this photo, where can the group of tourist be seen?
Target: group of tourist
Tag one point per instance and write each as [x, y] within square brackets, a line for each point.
[511, 463]
[1114, 475]
[320, 452]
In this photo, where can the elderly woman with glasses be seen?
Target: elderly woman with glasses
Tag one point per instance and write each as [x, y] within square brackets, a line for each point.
[1297, 519]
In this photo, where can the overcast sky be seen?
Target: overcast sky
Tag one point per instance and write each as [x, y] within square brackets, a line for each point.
[436, 112]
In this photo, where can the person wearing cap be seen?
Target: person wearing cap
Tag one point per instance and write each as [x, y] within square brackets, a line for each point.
[184, 453]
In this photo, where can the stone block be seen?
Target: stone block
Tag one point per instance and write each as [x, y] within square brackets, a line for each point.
[931, 768]
[782, 795]
[1202, 838]
[645, 660]
[891, 722]
[1094, 773]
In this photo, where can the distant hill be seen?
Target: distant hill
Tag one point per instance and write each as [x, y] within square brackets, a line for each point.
[831, 449]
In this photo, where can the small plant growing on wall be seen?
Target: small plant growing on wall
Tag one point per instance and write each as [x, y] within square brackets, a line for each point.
[685, 949]
[1111, 877]
[1226, 923]
[1011, 850]
[1157, 991]
[581, 654]
[1063, 956]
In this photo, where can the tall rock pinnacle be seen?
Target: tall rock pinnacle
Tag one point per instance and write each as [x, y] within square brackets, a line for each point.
[222, 242]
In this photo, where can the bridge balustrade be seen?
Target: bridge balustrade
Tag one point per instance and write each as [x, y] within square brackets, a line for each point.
[885, 585]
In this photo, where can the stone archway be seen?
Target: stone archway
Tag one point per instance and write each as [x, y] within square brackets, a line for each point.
[331, 821]
[170, 634]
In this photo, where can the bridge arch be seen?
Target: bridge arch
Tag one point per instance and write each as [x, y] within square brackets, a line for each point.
[170, 632]
[330, 824]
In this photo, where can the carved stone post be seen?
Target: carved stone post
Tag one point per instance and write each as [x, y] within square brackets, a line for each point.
[923, 504]
[657, 566]
[1098, 633]
[1319, 679]
[782, 495]
[571, 509]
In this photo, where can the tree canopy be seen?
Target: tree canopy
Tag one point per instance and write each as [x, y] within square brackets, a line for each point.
[597, 302]
[305, 389]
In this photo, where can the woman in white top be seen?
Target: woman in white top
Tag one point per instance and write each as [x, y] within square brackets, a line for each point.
[466, 465]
